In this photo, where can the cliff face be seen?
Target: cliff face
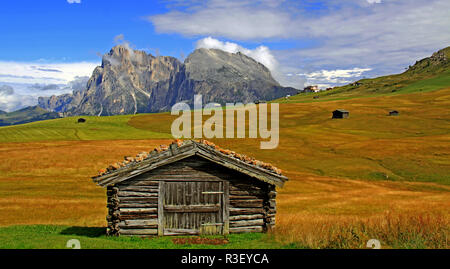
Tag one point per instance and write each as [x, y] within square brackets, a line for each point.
[131, 81]
[61, 103]
[125, 81]
[225, 77]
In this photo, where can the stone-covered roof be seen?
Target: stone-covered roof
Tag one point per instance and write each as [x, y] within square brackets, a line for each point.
[146, 161]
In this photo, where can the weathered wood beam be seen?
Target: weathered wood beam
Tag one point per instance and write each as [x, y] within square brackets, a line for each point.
[138, 231]
[139, 205]
[192, 208]
[139, 199]
[136, 194]
[172, 231]
[246, 203]
[246, 217]
[138, 210]
[250, 229]
[128, 216]
[149, 189]
[243, 223]
[138, 224]
[245, 211]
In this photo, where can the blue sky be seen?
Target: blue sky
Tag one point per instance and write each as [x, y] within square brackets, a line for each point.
[48, 44]
[61, 32]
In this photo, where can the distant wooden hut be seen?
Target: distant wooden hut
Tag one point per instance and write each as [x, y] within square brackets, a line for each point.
[314, 88]
[340, 114]
[190, 188]
[393, 113]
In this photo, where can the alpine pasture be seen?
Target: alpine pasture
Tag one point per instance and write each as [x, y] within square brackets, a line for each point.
[368, 176]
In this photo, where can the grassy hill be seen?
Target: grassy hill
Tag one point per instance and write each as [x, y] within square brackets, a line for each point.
[429, 74]
[25, 115]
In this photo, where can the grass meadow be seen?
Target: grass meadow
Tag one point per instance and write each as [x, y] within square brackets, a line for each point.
[350, 180]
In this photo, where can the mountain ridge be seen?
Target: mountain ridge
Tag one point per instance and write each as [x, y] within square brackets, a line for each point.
[26, 115]
[132, 81]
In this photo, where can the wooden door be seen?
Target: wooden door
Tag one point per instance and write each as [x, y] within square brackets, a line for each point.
[192, 207]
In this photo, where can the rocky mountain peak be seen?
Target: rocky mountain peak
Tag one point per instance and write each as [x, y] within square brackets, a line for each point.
[123, 55]
[218, 64]
[132, 81]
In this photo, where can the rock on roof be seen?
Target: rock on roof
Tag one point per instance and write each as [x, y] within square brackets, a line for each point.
[146, 161]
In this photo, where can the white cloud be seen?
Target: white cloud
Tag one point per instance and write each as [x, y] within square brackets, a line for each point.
[10, 100]
[232, 19]
[6, 90]
[385, 35]
[51, 73]
[34, 79]
[74, 1]
[333, 74]
[326, 78]
[14, 96]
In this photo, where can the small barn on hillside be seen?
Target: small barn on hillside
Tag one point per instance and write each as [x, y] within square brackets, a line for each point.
[340, 114]
[190, 188]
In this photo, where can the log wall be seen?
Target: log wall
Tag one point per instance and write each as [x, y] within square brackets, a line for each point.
[133, 204]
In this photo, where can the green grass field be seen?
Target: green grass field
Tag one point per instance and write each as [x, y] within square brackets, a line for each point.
[56, 237]
[95, 128]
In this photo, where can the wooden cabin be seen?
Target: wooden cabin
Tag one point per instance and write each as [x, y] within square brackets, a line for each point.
[340, 114]
[314, 88]
[393, 113]
[190, 188]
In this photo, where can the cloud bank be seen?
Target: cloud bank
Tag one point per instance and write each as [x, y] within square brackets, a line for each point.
[44, 73]
[22, 83]
[382, 35]
[10, 100]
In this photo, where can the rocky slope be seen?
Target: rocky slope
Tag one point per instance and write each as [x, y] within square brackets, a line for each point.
[131, 81]
[62, 103]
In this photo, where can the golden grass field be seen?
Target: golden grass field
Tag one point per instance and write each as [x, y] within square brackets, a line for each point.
[369, 176]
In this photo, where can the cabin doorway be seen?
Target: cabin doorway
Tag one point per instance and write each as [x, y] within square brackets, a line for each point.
[192, 207]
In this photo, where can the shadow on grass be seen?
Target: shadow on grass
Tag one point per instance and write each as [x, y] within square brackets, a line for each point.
[84, 231]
